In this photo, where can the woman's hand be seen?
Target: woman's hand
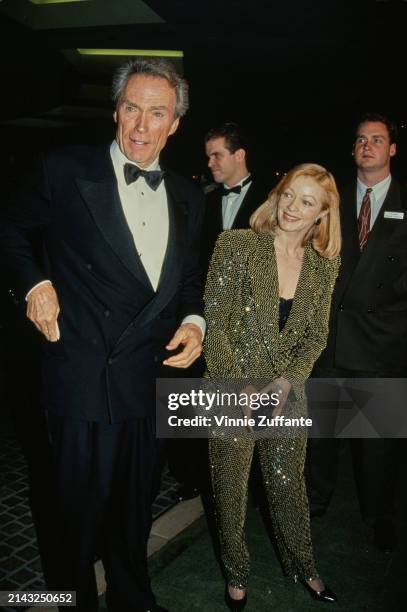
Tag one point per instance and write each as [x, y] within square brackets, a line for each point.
[281, 387]
[246, 409]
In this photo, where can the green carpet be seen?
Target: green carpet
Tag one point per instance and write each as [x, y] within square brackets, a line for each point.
[187, 577]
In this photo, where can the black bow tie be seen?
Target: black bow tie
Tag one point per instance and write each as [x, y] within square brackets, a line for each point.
[153, 178]
[225, 192]
[237, 189]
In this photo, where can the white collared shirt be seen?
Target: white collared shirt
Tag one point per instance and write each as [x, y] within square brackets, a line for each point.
[377, 197]
[146, 213]
[232, 202]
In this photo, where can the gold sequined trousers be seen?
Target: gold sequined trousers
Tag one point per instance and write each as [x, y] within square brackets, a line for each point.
[282, 466]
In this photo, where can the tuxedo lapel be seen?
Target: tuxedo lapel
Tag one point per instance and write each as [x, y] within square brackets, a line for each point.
[177, 216]
[247, 207]
[172, 267]
[103, 202]
[216, 216]
[98, 188]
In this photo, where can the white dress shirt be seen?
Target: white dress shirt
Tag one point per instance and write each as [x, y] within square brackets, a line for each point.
[146, 213]
[377, 197]
[232, 202]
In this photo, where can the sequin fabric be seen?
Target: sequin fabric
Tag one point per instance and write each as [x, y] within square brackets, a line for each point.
[244, 341]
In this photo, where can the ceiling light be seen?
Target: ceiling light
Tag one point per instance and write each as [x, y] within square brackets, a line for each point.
[55, 1]
[131, 52]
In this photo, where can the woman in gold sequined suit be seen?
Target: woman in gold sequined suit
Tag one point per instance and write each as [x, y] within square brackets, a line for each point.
[267, 299]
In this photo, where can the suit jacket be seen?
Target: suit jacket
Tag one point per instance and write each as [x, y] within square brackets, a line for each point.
[242, 310]
[113, 325]
[212, 226]
[368, 327]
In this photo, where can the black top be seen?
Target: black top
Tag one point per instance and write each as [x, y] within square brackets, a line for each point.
[285, 307]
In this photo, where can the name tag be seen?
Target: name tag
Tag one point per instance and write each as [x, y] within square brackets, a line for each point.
[393, 214]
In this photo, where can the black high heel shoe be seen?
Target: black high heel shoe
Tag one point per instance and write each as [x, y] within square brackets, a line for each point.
[235, 605]
[326, 595]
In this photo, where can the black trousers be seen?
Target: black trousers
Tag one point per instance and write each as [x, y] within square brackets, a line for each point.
[375, 462]
[104, 486]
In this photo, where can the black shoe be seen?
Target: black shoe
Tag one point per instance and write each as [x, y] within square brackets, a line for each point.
[157, 609]
[326, 595]
[385, 536]
[235, 605]
[184, 492]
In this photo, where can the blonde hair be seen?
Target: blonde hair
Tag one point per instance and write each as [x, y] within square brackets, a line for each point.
[325, 237]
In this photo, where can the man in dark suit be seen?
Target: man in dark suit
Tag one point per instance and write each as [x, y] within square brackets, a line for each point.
[238, 194]
[119, 295]
[368, 327]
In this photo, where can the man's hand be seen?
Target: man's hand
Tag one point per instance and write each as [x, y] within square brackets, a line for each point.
[43, 311]
[190, 336]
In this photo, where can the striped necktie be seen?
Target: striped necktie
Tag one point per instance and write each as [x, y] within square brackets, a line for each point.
[364, 219]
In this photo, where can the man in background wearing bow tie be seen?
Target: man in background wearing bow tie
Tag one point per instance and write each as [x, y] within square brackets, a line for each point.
[368, 326]
[118, 296]
[238, 194]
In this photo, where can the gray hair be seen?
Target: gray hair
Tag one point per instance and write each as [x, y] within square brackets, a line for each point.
[154, 67]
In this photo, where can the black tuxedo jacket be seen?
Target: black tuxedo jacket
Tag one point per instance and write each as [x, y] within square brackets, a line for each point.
[212, 227]
[114, 326]
[368, 327]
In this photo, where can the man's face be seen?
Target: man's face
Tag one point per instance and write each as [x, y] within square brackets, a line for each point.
[223, 164]
[145, 118]
[372, 149]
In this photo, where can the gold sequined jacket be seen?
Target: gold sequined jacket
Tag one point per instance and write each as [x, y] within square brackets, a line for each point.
[242, 310]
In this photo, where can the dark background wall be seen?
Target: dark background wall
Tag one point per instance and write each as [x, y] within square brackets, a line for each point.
[294, 74]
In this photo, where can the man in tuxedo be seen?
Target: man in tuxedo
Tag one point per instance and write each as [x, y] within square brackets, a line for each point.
[238, 194]
[118, 301]
[368, 326]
